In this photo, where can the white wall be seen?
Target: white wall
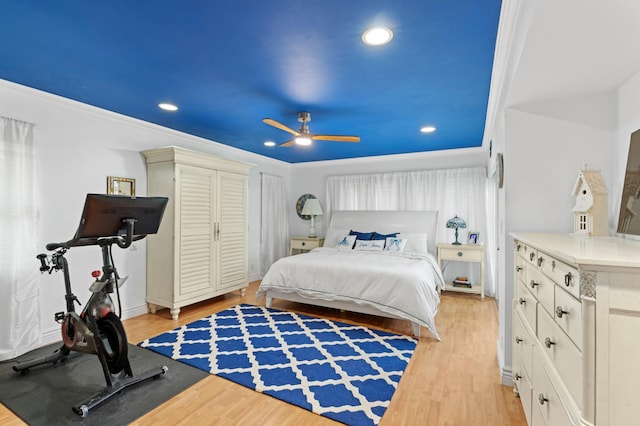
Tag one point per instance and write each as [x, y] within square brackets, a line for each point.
[78, 146]
[542, 157]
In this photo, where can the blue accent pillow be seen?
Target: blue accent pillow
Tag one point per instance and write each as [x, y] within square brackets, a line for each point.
[377, 236]
[366, 236]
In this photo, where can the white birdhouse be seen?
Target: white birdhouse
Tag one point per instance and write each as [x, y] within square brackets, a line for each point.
[591, 208]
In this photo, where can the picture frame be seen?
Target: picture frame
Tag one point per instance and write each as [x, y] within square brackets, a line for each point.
[121, 186]
[473, 238]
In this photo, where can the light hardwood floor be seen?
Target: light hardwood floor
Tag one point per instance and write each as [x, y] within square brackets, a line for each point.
[451, 382]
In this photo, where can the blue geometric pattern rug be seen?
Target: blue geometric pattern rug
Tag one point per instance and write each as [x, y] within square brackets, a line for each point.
[341, 371]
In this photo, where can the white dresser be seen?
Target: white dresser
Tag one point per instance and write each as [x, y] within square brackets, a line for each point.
[201, 249]
[576, 329]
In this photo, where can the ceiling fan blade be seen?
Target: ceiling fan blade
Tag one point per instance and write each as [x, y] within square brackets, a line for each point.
[335, 138]
[274, 123]
[288, 143]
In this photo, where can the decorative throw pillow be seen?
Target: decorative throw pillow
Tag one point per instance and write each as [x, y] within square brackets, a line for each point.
[395, 244]
[365, 236]
[377, 236]
[332, 236]
[346, 242]
[371, 245]
[417, 243]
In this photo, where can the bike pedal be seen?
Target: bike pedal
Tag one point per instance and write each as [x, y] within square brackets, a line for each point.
[59, 316]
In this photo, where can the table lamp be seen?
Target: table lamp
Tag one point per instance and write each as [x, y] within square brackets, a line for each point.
[456, 223]
[312, 208]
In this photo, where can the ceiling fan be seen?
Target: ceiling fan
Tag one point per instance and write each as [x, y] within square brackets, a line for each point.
[302, 136]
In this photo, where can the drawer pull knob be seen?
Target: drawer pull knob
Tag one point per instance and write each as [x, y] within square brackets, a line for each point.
[533, 284]
[518, 377]
[548, 343]
[540, 260]
[459, 254]
[518, 340]
[522, 301]
[553, 265]
[532, 256]
[560, 312]
[303, 243]
[542, 399]
[518, 247]
[567, 279]
[518, 268]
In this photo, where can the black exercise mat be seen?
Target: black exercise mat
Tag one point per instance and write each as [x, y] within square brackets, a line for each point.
[45, 395]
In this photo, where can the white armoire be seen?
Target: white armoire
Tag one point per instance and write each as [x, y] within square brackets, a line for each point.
[201, 248]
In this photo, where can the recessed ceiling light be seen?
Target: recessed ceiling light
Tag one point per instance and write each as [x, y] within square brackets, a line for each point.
[377, 36]
[167, 106]
[269, 143]
[427, 129]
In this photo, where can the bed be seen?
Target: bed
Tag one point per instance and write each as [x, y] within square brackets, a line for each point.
[402, 285]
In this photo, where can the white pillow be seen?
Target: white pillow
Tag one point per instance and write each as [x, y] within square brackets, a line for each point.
[332, 235]
[395, 244]
[416, 243]
[345, 242]
[369, 245]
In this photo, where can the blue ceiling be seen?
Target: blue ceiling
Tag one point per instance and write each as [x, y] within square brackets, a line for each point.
[229, 64]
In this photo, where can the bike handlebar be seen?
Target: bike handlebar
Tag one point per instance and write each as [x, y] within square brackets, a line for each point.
[123, 241]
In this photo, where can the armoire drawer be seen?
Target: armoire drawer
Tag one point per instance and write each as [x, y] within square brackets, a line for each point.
[568, 314]
[564, 355]
[545, 398]
[527, 304]
[541, 287]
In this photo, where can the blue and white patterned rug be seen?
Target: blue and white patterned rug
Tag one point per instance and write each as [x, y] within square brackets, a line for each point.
[344, 372]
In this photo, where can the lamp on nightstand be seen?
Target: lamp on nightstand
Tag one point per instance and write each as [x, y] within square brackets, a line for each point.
[455, 223]
[312, 208]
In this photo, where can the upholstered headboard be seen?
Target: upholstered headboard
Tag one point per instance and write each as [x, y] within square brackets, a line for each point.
[388, 221]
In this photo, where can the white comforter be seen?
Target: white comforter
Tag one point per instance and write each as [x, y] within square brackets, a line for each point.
[403, 285]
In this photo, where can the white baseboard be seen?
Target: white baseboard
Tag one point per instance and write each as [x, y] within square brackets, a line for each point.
[506, 374]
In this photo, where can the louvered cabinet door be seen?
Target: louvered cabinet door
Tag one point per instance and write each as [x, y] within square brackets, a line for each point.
[232, 230]
[195, 236]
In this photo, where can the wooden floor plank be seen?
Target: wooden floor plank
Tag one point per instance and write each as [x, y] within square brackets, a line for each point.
[450, 382]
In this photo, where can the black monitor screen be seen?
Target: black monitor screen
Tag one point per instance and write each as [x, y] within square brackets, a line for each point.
[103, 215]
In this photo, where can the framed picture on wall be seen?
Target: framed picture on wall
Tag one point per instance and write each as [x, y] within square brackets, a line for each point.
[474, 237]
[121, 186]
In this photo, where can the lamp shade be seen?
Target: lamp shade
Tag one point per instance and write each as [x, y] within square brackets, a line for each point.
[312, 207]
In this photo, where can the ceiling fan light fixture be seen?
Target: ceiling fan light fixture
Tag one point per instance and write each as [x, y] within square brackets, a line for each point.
[167, 106]
[377, 36]
[303, 140]
[427, 129]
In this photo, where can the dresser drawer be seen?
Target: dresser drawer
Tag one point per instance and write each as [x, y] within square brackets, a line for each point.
[522, 384]
[541, 287]
[527, 304]
[545, 398]
[564, 355]
[520, 268]
[523, 342]
[568, 314]
[564, 275]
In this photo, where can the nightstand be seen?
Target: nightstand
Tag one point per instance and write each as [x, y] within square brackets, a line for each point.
[303, 244]
[463, 253]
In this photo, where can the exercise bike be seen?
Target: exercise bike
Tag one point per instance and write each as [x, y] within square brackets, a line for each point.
[106, 220]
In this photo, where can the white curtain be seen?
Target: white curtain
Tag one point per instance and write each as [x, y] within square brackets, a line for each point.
[274, 226]
[19, 292]
[451, 192]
